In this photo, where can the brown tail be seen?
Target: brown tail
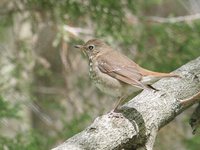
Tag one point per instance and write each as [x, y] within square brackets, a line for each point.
[146, 72]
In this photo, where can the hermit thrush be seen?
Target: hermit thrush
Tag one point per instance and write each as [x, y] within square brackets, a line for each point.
[116, 74]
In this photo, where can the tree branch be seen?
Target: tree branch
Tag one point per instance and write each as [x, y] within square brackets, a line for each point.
[139, 120]
[188, 18]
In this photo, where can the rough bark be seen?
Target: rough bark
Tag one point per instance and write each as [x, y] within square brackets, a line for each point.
[138, 121]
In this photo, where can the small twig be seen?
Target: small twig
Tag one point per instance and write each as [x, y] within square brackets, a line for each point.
[44, 62]
[188, 18]
[190, 100]
[76, 30]
[64, 56]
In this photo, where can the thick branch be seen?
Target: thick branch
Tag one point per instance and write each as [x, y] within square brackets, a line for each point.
[139, 120]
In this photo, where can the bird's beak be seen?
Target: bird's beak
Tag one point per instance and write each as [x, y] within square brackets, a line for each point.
[81, 47]
[78, 46]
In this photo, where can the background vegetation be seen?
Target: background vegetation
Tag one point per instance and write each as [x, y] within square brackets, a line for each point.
[45, 92]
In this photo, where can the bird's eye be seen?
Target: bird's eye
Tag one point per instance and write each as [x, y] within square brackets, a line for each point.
[91, 47]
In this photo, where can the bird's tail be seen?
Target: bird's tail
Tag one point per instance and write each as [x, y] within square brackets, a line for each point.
[146, 72]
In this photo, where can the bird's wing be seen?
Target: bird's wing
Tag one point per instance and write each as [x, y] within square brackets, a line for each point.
[122, 69]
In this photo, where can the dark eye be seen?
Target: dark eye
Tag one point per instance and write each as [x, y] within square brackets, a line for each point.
[91, 47]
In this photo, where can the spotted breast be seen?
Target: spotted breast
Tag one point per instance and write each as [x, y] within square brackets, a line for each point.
[106, 83]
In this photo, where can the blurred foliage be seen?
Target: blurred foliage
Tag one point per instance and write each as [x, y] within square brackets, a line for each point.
[193, 143]
[35, 140]
[7, 110]
[62, 90]
[162, 43]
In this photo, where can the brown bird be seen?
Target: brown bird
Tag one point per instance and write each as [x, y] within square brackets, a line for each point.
[114, 73]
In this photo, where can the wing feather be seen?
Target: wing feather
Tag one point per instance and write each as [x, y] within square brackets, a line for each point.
[127, 73]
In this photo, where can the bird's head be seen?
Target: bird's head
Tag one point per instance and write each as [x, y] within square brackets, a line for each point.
[93, 47]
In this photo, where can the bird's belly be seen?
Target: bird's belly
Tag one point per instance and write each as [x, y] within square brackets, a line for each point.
[106, 83]
[116, 92]
[110, 85]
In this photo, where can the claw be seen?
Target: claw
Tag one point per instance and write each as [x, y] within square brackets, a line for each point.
[114, 114]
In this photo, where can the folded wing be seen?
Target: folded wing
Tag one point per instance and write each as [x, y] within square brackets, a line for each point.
[122, 69]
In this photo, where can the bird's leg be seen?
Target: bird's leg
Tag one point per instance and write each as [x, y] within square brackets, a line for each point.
[113, 112]
[119, 102]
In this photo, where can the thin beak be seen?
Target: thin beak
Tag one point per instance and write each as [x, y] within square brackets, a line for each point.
[81, 47]
[78, 46]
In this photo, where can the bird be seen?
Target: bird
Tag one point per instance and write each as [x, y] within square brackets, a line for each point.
[116, 74]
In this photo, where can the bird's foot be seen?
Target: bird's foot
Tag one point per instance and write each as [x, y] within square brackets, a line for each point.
[119, 102]
[114, 114]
